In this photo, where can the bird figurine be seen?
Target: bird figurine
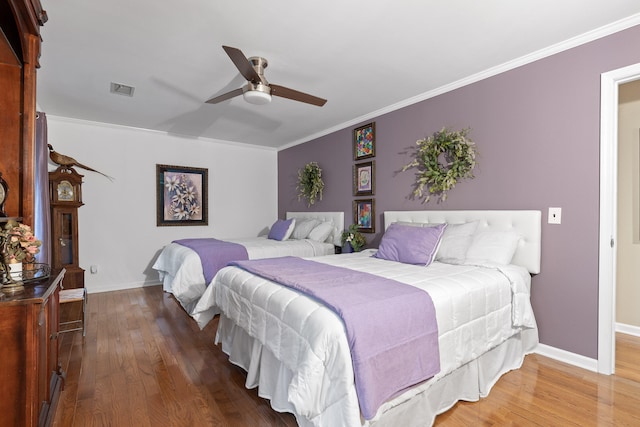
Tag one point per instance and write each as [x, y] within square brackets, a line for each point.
[68, 162]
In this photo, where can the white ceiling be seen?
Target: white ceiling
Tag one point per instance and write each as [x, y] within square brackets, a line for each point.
[365, 57]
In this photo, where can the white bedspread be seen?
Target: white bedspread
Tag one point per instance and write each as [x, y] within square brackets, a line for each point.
[180, 269]
[473, 306]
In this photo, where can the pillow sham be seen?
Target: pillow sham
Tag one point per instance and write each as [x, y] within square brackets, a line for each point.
[321, 232]
[493, 246]
[410, 244]
[303, 228]
[282, 229]
[455, 242]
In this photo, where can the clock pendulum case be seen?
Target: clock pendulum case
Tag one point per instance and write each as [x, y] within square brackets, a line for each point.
[65, 192]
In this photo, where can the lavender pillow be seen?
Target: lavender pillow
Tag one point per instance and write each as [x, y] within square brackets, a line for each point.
[410, 245]
[282, 229]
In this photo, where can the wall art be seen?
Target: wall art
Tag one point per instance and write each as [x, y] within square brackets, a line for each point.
[364, 180]
[364, 141]
[181, 195]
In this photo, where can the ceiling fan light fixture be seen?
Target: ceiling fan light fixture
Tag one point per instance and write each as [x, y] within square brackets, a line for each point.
[257, 94]
[256, 97]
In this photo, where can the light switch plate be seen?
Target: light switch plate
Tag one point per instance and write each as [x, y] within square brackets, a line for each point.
[555, 216]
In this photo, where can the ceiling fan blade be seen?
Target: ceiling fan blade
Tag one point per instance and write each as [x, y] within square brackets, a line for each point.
[285, 92]
[225, 96]
[242, 64]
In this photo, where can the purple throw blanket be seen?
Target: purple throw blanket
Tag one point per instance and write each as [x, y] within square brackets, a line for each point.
[214, 254]
[391, 327]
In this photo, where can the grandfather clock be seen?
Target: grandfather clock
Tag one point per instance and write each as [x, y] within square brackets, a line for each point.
[65, 190]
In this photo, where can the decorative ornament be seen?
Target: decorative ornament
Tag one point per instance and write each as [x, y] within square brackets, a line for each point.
[442, 160]
[310, 184]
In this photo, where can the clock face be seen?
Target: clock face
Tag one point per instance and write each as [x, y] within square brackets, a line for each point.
[3, 194]
[65, 191]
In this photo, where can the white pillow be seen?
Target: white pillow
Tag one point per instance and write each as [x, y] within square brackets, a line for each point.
[321, 232]
[493, 246]
[455, 242]
[303, 228]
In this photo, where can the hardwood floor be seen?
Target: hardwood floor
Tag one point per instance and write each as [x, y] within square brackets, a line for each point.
[144, 362]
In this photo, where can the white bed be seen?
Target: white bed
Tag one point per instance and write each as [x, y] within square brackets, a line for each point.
[295, 350]
[181, 272]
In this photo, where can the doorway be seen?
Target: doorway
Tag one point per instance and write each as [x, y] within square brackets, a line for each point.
[610, 82]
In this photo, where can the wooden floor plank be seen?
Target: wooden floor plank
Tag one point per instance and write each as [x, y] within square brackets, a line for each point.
[145, 362]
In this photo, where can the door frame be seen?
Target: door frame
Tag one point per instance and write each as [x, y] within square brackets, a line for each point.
[609, 84]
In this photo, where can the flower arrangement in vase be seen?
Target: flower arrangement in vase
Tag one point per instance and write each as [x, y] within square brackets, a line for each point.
[17, 245]
[352, 237]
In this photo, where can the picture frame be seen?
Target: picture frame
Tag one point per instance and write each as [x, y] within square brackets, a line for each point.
[364, 215]
[364, 141]
[364, 180]
[181, 195]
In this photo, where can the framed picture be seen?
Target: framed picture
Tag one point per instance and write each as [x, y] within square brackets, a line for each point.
[364, 215]
[364, 180]
[181, 195]
[364, 141]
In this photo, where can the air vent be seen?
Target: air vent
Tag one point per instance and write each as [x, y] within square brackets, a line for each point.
[121, 89]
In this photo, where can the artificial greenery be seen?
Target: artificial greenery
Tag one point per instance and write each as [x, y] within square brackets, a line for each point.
[442, 159]
[310, 184]
[354, 238]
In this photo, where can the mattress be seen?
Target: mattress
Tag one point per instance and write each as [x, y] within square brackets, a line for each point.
[478, 309]
[180, 269]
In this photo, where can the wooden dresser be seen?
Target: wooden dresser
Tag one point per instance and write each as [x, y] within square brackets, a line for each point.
[30, 376]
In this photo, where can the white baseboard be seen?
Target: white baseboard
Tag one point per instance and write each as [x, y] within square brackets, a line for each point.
[628, 329]
[567, 357]
[121, 287]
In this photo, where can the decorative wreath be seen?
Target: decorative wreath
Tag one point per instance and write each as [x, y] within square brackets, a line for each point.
[310, 184]
[442, 160]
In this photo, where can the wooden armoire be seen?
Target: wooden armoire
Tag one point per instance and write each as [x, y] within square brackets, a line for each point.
[30, 377]
[20, 22]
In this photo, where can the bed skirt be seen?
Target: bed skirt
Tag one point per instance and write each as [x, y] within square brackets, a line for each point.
[415, 407]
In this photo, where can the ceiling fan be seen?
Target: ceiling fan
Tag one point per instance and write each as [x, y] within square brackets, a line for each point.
[258, 90]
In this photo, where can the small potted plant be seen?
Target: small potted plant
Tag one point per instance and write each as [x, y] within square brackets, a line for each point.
[352, 239]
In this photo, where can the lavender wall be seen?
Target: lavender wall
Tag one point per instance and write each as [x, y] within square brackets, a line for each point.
[537, 132]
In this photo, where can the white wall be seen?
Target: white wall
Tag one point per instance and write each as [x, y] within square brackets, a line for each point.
[117, 224]
[628, 255]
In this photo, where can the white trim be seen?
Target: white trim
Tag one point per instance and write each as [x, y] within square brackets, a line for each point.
[587, 37]
[567, 357]
[609, 83]
[628, 329]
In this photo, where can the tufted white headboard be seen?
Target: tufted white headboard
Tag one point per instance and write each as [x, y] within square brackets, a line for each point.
[337, 218]
[526, 223]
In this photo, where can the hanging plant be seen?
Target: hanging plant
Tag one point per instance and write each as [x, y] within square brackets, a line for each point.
[310, 184]
[442, 160]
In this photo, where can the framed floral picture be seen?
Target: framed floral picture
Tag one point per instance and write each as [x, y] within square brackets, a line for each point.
[364, 178]
[364, 141]
[364, 215]
[181, 195]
